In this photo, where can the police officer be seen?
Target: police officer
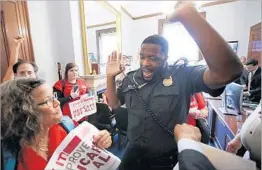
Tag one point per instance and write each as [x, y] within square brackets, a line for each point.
[167, 90]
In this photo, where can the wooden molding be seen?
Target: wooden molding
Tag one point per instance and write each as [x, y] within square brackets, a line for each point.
[142, 16]
[149, 16]
[217, 3]
[84, 38]
[100, 25]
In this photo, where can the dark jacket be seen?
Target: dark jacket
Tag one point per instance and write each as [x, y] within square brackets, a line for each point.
[255, 86]
[193, 160]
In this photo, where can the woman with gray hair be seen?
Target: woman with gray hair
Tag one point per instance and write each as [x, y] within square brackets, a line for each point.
[30, 117]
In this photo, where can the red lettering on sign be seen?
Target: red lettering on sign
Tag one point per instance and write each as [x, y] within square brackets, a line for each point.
[94, 148]
[62, 156]
[92, 155]
[98, 164]
[104, 159]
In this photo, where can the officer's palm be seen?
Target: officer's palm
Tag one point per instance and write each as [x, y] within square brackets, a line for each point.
[114, 66]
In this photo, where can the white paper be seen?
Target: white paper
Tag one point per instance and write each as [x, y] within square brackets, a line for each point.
[83, 107]
[77, 152]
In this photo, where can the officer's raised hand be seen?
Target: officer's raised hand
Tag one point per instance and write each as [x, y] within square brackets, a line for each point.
[114, 66]
[181, 8]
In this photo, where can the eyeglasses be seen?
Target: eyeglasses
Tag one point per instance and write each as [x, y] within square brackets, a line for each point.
[49, 101]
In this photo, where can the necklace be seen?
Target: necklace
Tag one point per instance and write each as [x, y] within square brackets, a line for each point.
[138, 86]
[43, 147]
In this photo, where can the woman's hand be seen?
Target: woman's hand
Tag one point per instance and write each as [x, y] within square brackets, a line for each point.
[103, 139]
[74, 94]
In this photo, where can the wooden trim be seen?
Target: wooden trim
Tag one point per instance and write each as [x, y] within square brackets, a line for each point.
[217, 3]
[84, 38]
[127, 13]
[149, 16]
[100, 25]
[119, 32]
[29, 30]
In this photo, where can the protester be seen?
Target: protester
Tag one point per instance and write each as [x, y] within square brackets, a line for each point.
[30, 117]
[70, 89]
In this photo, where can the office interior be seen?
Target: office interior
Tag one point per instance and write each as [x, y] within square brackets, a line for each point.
[86, 32]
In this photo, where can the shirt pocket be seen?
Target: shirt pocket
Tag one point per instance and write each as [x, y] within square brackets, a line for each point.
[163, 101]
[128, 97]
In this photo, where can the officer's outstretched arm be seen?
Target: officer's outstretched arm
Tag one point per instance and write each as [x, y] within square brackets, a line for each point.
[223, 64]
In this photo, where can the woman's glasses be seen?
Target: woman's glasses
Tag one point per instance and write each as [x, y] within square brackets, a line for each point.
[49, 101]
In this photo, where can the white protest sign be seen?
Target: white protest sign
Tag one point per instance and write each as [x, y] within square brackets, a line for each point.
[77, 152]
[85, 106]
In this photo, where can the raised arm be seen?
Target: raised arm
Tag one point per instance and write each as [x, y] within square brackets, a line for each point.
[14, 53]
[223, 64]
[112, 70]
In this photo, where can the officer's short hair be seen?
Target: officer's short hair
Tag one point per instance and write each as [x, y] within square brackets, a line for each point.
[158, 40]
[252, 62]
[20, 62]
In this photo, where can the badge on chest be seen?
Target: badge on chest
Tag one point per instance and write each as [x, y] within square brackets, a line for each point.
[168, 81]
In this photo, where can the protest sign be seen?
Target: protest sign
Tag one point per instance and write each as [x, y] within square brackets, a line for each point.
[77, 152]
[83, 107]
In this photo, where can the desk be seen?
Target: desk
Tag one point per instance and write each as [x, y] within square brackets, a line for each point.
[223, 127]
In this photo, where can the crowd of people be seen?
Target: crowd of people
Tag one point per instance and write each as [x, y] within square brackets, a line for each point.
[159, 99]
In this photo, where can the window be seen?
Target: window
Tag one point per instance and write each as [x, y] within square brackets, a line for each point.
[106, 44]
[181, 44]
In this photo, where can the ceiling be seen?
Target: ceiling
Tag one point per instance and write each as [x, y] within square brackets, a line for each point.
[97, 14]
[142, 8]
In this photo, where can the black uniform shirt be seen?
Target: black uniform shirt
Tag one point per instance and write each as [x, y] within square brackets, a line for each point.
[169, 103]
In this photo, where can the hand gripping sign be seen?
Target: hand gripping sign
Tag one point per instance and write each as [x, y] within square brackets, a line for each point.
[83, 107]
[77, 152]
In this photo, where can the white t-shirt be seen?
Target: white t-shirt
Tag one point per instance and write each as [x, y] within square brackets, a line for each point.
[251, 133]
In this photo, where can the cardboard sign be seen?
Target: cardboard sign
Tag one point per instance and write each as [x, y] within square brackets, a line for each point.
[83, 107]
[77, 152]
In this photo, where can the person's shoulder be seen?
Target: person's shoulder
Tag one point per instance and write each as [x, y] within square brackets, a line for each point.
[185, 68]
[58, 85]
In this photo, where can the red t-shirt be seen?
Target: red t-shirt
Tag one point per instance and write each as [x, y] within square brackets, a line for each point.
[197, 100]
[31, 161]
[83, 89]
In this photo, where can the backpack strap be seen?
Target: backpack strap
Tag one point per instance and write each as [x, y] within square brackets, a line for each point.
[8, 160]
[67, 123]
[63, 86]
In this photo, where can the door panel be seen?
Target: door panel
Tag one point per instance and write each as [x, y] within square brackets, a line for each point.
[14, 22]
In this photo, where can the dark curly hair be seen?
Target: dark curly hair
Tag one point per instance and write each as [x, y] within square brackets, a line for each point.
[20, 118]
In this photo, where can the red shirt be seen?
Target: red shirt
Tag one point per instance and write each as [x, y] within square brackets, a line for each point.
[198, 101]
[30, 160]
[83, 89]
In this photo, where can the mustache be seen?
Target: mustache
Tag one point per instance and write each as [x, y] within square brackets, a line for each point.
[146, 69]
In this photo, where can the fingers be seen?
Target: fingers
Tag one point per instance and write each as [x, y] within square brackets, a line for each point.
[103, 139]
[114, 57]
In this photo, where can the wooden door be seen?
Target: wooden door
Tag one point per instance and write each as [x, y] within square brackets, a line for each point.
[14, 22]
[254, 47]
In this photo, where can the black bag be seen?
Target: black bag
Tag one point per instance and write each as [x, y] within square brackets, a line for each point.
[204, 128]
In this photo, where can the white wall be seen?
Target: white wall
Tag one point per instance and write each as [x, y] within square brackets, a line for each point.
[76, 35]
[232, 21]
[56, 35]
[43, 40]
